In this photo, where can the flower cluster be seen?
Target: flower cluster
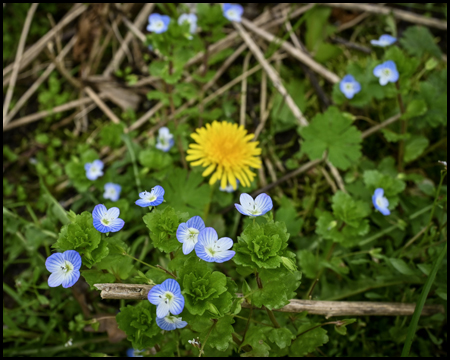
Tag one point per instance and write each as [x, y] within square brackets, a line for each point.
[386, 72]
[169, 301]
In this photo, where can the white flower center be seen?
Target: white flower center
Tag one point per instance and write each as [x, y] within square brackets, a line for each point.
[167, 297]
[150, 197]
[193, 234]
[380, 202]
[349, 86]
[67, 266]
[159, 24]
[105, 221]
[386, 72]
[231, 13]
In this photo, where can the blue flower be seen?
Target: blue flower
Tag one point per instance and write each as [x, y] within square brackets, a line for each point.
[158, 23]
[187, 233]
[191, 19]
[94, 169]
[233, 12]
[152, 198]
[380, 202]
[167, 297]
[212, 249]
[229, 187]
[112, 191]
[387, 72]
[65, 268]
[107, 220]
[384, 40]
[170, 322]
[164, 140]
[257, 207]
[349, 86]
[134, 352]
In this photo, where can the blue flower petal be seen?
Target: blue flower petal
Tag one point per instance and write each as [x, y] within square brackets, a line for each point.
[116, 225]
[264, 202]
[73, 257]
[201, 253]
[177, 305]
[56, 278]
[207, 236]
[225, 243]
[100, 227]
[165, 325]
[196, 222]
[241, 210]
[71, 278]
[162, 310]
[98, 163]
[54, 262]
[172, 286]
[223, 256]
[157, 202]
[143, 203]
[154, 294]
[158, 190]
[99, 211]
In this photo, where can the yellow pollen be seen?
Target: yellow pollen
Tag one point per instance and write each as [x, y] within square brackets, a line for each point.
[227, 152]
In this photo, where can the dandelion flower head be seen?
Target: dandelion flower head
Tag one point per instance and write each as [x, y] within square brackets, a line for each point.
[227, 152]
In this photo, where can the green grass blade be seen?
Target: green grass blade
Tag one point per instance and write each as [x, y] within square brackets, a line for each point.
[421, 302]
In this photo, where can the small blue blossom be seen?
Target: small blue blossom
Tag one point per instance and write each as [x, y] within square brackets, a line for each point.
[187, 233]
[152, 198]
[384, 40]
[158, 23]
[229, 187]
[134, 353]
[380, 202]
[112, 191]
[65, 268]
[233, 12]
[191, 19]
[170, 322]
[94, 169]
[387, 72]
[259, 206]
[167, 297]
[165, 139]
[105, 220]
[349, 86]
[212, 249]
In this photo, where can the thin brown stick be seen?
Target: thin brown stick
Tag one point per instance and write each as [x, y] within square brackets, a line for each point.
[32, 89]
[337, 176]
[375, 128]
[16, 65]
[316, 307]
[297, 53]
[399, 14]
[244, 90]
[262, 106]
[271, 73]
[108, 112]
[31, 53]
[133, 31]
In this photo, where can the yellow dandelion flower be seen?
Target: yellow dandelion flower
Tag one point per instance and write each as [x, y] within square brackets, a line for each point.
[226, 150]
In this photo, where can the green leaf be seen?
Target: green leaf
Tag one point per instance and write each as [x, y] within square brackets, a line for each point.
[76, 172]
[401, 266]
[282, 337]
[418, 40]
[415, 108]
[110, 135]
[279, 287]
[220, 335]
[163, 225]
[287, 213]
[434, 92]
[415, 147]
[332, 131]
[261, 246]
[257, 339]
[348, 210]
[139, 323]
[154, 159]
[97, 277]
[185, 193]
[201, 286]
[308, 341]
[81, 236]
[116, 262]
[308, 263]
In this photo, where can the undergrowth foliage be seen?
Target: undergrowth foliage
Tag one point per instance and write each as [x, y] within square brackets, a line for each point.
[186, 208]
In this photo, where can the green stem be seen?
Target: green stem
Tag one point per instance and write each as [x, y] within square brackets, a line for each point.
[206, 338]
[158, 267]
[425, 237]
[249, 319]
[133, 160]
[401, 150]
[421, 303]
[269, 312]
